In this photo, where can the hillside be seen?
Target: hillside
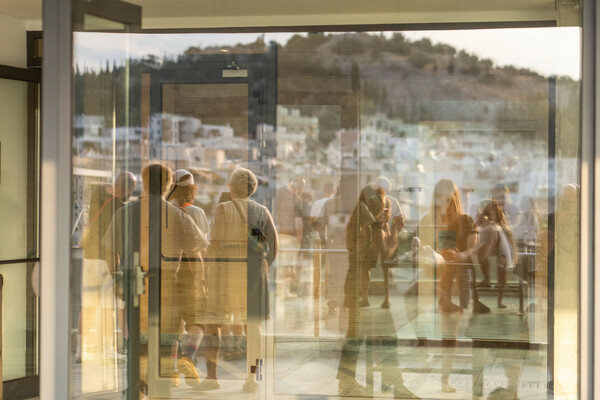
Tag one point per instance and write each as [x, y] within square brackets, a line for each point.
[413, 81]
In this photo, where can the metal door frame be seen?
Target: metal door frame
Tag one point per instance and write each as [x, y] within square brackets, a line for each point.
[261, 79]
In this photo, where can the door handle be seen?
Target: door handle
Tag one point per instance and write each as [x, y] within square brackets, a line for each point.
[138, 279]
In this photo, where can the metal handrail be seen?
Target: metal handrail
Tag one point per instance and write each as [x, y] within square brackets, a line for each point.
[20, 261]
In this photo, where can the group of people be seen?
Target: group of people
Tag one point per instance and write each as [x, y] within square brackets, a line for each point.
[457, 240]
[214, 277]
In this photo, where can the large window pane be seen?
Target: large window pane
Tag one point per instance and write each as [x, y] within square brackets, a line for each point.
[13, 186]
[19, 220]
[424, 190]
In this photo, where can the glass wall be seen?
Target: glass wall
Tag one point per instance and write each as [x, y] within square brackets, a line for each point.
[19, 221]
[381, 213]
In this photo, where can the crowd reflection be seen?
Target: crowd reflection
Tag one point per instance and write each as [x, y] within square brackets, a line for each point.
[391, 285]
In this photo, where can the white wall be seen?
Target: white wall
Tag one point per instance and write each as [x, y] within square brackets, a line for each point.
[13, 47]
[13, 219]
[13, 197]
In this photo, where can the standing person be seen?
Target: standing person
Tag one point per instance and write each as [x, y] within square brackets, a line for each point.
[288, 217]
[163, 235]
[496, 246]
[96, 322]
[182, 194]
[367, 235]
[243, 245]
[317, 206]
[317, 219]
[448, 230]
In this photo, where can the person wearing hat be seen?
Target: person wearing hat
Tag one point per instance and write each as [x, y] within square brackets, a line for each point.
[182, 194]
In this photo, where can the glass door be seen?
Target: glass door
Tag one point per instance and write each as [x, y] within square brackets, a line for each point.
[206, 122]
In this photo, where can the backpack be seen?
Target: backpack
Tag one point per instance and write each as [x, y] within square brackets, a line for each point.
[257, 242]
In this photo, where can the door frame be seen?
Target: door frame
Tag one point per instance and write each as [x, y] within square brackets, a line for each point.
[260, 72]
[28, 386]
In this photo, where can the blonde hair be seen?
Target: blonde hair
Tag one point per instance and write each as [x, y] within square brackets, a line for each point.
[495, 206]
[445, 187]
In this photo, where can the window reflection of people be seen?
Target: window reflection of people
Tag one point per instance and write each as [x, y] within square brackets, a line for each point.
[501, 194]
[525, 228]
[365, 234]
[182, 194]
[243, 244]
[386, 355]
[488, 251]
[395, 207]
[288, 217]
[135, 228]
[96, 323]
[305, 239]
[368, 237]
[496, 246]
[448, 230]
[332, 229]
[395, 211]
[317, 206]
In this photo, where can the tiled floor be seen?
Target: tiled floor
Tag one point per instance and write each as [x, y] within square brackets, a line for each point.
[303, 355]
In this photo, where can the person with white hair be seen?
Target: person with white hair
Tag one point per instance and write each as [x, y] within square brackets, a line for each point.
[243, 244]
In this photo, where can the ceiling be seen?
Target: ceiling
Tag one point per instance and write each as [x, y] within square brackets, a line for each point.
[239, 13]
[22, 9]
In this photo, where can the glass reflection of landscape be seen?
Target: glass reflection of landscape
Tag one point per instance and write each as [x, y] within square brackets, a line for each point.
[317, 118]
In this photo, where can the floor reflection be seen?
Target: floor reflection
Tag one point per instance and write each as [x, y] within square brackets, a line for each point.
[305, 365]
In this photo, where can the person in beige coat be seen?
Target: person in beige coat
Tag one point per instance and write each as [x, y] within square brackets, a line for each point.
[243, 244]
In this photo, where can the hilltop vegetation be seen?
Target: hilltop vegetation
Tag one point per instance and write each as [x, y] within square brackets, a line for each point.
[413, 81]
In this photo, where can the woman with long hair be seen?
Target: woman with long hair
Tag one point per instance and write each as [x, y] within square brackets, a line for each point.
[368, 238]
[496, 246]
[448, 229]
[493, 224]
